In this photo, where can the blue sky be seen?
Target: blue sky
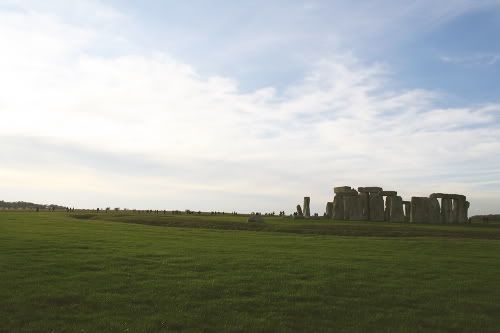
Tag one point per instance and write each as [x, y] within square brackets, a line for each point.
[248, 106]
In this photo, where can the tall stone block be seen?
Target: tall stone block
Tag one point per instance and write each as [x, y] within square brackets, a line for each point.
[307, 209]
[338, 207]
[364, 200]
[329, 209]
[461, 209]
[467, 205]
[407, 208]
[434, 211]
[299, 211]
[352, 208]
[446, 208]
[420, 210]
[376, 207]
[396, 213]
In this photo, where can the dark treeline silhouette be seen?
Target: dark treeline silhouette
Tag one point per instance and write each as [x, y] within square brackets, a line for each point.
[29, 205]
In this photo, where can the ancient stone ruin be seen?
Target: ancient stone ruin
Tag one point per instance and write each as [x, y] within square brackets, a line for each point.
[375, 204]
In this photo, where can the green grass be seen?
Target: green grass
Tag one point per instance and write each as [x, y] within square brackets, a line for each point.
[84, 273]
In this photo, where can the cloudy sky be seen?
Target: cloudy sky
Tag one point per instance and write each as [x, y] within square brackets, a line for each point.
[248, 106]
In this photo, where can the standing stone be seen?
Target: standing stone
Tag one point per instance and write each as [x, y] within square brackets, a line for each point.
[329, 210]
[307, 210]
[338, 207]
[461, 209]
[376, 207]
[407, 206]
[420, 210]
[467, 205]
[352, 208]
[434, 211]
[446, 208]
[396, 213]
[299, 211]
[364, 200]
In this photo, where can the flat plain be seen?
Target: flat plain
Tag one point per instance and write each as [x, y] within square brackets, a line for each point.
[130, 272]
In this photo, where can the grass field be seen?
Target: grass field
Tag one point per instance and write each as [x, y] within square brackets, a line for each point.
[71, 272]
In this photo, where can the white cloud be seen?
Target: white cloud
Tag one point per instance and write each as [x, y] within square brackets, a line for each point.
[149, 130]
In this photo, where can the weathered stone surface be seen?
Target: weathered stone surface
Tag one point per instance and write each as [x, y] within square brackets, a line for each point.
[459, 204]
[342, 189]
[345, 191]
[420, 210]
[255, 218]
[407, 208]
[376, 207]
[447, 196]
[434, 211]
[371, 189]
[387, 209]
[364, 201]
[352, 208]
[389, 193]
[446, 208]
[467, 205]
[396, 213]
[307, 209]
[299, 211]
[329, 209]
[338, 207]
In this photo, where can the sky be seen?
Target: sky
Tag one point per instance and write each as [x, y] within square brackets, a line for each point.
[247, 106]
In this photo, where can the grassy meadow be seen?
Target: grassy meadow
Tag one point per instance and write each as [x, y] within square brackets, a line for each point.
[124, 272]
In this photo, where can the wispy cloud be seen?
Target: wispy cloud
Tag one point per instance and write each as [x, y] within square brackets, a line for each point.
[479, 59]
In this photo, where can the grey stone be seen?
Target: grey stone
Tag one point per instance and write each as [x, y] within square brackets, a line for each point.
[352, 208]
[338, 207]
[364, 200]
[407, 207]
[434, 211]
[299, 211]
[461, 214]
[446, 208]
[420, 209]
[329, 210]
[307, 209]
[372, 189]
[389, 193]
[396, 213]
[342, 189]
[376, 207]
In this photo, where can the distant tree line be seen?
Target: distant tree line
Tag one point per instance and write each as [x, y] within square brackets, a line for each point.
[28, 205]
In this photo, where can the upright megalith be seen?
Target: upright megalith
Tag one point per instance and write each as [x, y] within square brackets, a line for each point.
[446, 207]
[364, 202]
[352, 208]
[388, 203]
[376, 207]
[434, 211]
[407, 208]
[329, 210]
[338, 207]
[396, 213]
[459, 203]
[467, 205]
[307, 210]
[420, 209]
[299, 211]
